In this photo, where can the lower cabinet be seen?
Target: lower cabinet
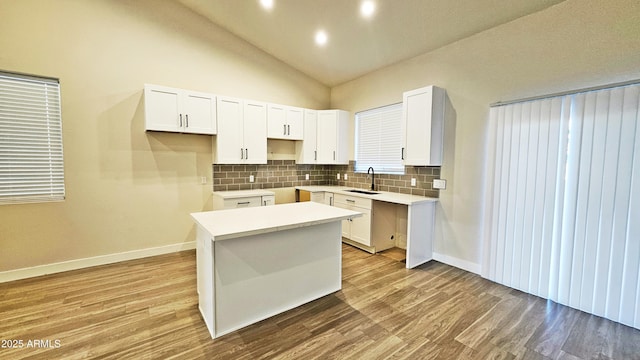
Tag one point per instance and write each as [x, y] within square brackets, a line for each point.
[322, 197]
[357, 229]
[241, 199]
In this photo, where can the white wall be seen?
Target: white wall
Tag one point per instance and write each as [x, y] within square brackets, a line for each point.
[126, 189]
[572, 45]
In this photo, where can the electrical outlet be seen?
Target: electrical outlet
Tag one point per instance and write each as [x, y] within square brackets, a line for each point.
[251, 178]
[413, 181]
[345, 176]
[439, 184]
[338, 176]
[203, 180]
[306, 176]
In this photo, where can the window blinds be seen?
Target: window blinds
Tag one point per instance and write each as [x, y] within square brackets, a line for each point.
[378, 138]
[31, 163]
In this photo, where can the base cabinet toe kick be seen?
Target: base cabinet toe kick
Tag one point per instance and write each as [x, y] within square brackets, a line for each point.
[290, 255]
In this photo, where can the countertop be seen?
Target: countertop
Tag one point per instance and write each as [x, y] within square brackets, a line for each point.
[233, 223]
[396, 198]
[242, 193]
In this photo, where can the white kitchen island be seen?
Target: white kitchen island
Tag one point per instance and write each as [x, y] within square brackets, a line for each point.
[257, 262]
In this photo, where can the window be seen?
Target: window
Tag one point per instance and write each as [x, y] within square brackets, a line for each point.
[379, 140]
[31, 164]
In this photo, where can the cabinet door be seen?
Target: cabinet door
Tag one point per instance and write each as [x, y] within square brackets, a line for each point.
[328, 198]
[268, 200]
[342, 137]
[199, 113]
[295, 123]
[306, 150]
[327, 137]
[423, 116]
[162, 108]
[276, 122]
[255, 132]
[318, 197]
[361, 227]
[229, 141]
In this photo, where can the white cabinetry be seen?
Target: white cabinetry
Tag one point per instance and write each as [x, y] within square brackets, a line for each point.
[423, 126]
[178, 110]
[357, 229]
[332, 137]
[242, 132]
[307, 150]
[284, 122]
[322, 197]
[242, 199]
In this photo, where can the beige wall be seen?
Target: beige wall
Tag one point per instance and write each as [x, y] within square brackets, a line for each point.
[127, 189]
[572, 45]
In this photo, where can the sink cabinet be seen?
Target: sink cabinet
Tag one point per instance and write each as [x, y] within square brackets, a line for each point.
[357, 229]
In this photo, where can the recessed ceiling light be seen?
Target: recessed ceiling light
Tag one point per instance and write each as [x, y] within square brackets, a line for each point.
[321, 37]
[367, 8]
[267, 4]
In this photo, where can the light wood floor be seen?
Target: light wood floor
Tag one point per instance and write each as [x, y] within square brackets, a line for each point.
[148, 309]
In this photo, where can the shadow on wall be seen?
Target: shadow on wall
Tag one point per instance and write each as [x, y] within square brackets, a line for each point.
[443, 226]
[128, 151]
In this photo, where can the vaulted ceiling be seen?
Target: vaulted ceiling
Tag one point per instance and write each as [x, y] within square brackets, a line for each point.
[398, 30]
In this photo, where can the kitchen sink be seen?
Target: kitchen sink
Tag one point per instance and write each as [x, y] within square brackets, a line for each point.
[362, 192]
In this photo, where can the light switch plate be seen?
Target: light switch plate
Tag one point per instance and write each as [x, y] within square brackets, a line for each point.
[338, 176]
[413, 181]
[251, 178]
[306, 176]
[439, 184]
[345, 176]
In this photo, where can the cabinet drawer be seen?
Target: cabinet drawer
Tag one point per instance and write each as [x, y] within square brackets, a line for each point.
[352, 200]
[242, 202]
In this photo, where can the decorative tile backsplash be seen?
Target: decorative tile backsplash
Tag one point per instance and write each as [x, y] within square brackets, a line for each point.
[285, 173]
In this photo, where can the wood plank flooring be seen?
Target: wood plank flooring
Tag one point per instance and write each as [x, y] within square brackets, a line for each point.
[147, 309]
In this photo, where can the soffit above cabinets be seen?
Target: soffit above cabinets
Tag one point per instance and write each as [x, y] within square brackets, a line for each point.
[399, 30]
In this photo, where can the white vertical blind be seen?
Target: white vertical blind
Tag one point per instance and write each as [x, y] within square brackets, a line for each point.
[378, 138]
[564, 210]
[31, 163]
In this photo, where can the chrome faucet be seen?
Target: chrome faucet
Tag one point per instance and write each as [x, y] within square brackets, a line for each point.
[373, 177]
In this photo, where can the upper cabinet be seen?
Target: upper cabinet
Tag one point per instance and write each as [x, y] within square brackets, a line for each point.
[332, 137]
[423, 126]
[242, 132]
[284, 122]
[307, 150]
[178, 110]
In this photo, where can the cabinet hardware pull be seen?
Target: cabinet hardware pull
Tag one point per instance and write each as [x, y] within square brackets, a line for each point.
[315, 154]
[241, 153]
[334, 155]
[246, 153]
[265, 203]
[186, 121]
[288, 129]
[244, 203]
[349, 200]
[402, 154]
[180, 120]
[284, 128]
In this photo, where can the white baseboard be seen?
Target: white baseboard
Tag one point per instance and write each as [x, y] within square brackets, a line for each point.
[459, 263]
[11, 275]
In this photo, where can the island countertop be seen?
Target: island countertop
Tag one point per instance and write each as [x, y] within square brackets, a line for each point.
[235, 223]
